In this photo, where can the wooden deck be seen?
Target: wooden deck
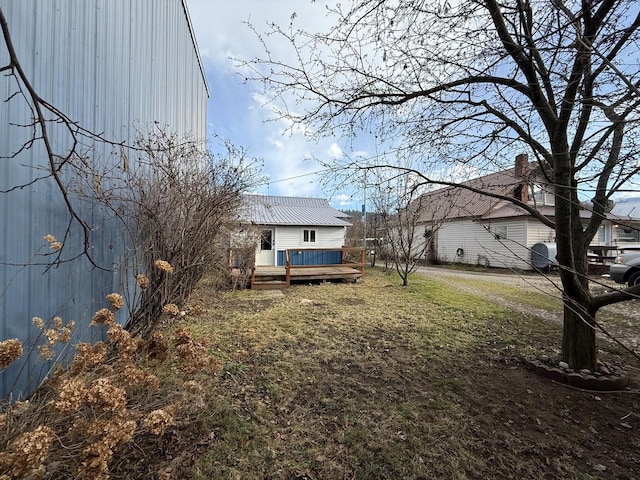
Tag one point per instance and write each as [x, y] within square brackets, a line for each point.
[268, 277]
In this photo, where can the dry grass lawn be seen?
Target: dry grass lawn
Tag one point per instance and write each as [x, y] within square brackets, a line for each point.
[376, 381]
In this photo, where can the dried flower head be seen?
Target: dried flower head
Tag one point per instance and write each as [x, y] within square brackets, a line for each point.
[182, 336]
[53, 243]
[143, 281]
[157, 421]
[128, 373]
[10, 351]
[105, 395]
[97, 455]
[65, 333]
[52, 335]
[88, 356]
[157, 347]
[164, 266]
[192, 355]
[27, 453]
[46, 352]
[57, 322]
[71, 395]
[115, 299]
[104, 315]
[196, 310]
[38, 322]
[171, 309]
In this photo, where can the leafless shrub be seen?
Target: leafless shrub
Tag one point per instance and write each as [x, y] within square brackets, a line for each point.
[242, 255]
[176, 201]
[80, 420]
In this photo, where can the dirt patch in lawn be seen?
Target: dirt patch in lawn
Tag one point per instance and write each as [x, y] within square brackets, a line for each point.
[376, 381]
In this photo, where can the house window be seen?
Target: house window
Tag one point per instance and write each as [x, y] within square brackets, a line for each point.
[537, 193]
[501, 232]
[266, 240]
[628, 234]
[309, 236]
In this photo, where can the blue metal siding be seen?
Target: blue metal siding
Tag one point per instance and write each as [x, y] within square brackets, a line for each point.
[313, 257]
[115, 67]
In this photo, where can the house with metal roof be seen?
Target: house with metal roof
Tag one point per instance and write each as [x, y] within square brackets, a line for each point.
[466, 226]
[310, 227]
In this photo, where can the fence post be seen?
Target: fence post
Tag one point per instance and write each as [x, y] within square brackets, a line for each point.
[288, 268]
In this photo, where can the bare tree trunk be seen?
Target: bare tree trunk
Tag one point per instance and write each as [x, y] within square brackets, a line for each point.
[578, 337]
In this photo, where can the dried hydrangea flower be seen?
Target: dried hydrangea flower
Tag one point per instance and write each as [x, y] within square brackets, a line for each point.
[105, 395]
[53, 243]
[10, 351]
[104, 315]
[52, 335]
[143, 281]
[28, 452]
[164, 266]
[115, 299]
[38, 322]
[65, 333]
[71, 395]
[157, 421]
[171, 309]
[46, 351]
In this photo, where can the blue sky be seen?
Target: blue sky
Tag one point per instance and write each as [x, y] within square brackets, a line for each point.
[236, 110]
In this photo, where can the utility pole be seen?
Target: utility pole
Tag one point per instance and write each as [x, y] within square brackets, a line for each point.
[364, 213]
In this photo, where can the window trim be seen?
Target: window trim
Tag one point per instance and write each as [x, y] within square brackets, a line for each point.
[266, 234]
[309, 235]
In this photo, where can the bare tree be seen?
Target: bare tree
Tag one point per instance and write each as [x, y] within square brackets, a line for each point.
[472, 83]
[399, 211]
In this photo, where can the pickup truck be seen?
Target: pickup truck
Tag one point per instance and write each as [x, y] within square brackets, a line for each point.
[626, 269]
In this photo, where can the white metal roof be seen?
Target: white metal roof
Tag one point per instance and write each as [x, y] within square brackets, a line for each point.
[274, 210]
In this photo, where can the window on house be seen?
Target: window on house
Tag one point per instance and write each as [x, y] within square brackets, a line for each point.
[501, 232]
[537, 193]
[309, 236]
[628, 234]
[266, 240]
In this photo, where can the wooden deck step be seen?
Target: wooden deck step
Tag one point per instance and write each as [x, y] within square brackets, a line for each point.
[268, 285]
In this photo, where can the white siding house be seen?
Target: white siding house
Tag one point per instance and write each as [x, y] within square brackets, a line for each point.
[117, 68]
[467, 227]
[293, 223]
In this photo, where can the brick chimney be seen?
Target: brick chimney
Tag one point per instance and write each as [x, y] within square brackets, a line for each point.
[521, 172]
[522, 165]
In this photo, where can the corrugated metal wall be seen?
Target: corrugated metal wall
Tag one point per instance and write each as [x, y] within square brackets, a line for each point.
[115, 67]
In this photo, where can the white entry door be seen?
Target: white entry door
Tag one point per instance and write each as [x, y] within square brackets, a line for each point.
[266, 253]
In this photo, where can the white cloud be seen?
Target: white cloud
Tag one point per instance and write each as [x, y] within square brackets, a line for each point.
[335, 151]
[343, 200]
[248, 117]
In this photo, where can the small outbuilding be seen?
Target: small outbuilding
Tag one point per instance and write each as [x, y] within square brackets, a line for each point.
[294, 237]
